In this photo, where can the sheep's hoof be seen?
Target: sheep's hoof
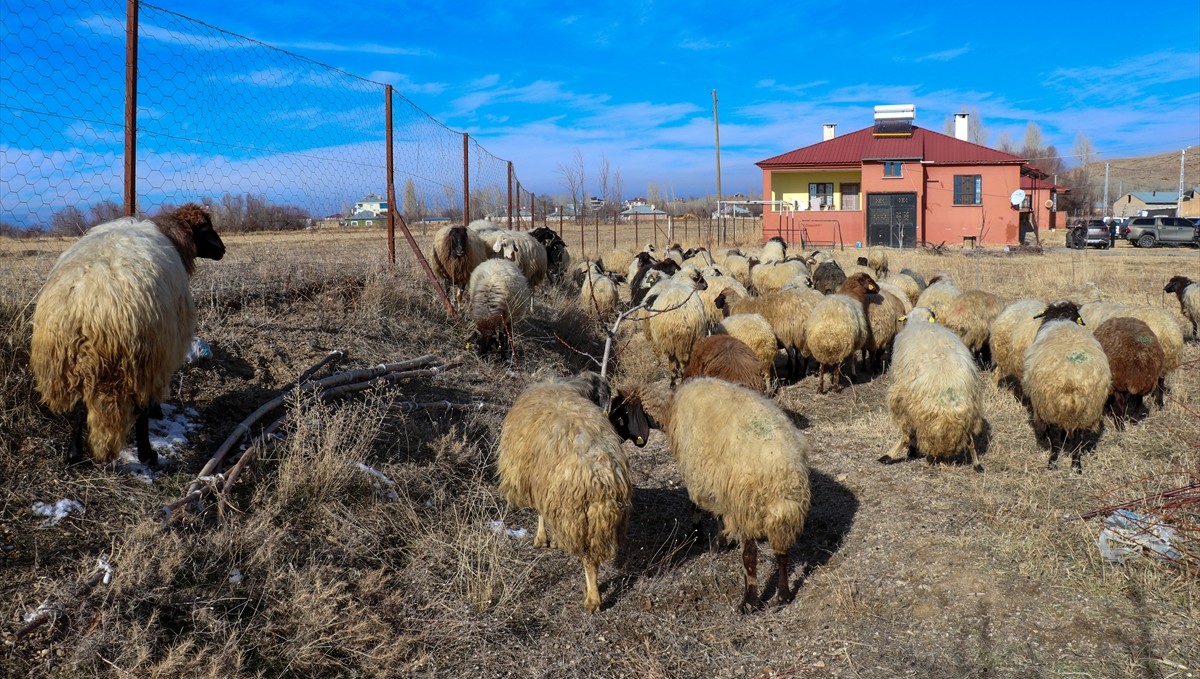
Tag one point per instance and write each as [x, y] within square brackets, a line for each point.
[978, 468]
[888, 459]
[750, 605]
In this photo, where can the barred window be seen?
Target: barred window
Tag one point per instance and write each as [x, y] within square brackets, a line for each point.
[968, 189]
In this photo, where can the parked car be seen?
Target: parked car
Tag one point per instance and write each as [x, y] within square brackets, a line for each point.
[1146, 232]
[1093, 232]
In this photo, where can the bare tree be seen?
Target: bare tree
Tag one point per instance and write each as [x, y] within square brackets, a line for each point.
[573, 179]
[68, 221]
[1005, 143]
[603, 182]
[653, 194]
[618, 185]
[105, 211]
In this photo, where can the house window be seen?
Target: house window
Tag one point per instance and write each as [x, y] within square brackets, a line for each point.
[891, 168]
[968, 189]
[850, 194]
[820, 196]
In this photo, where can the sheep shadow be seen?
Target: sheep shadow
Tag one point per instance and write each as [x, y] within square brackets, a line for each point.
[829, 521]
[660, 538]
[1060, 444]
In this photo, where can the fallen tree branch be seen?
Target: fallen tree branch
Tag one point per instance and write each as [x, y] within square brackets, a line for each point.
[329, 387]
[46, 613]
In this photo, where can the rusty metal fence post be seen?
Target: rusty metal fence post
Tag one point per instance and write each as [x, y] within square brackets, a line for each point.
[131, 44]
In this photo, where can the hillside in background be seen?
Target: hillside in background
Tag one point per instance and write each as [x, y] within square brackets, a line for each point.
[1146, 173]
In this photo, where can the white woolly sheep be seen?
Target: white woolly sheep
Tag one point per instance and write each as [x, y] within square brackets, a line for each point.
[898, 293]
[718, 282]
[937, 296]
[912, 289]
[560, 455]
[488, 230]
[1067, 380]
[1188, 292]
[743, 461]
[756, 332]
[738, 266]
[771, 276]
[877, 259]
[114, 321]
[1135, 359]
[457, 250]
[970, 315]
[498, 297]
[598, 294]
[526, 251]
[1011, 333]
[936, 395]
[774, 250]
[837, 328]
[676, 318]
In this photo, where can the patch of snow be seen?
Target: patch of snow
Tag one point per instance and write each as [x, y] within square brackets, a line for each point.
[498, 526]
[56, 512]
[167, 436]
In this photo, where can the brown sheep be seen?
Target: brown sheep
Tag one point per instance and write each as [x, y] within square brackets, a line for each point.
[727, 358]
[1135, 358]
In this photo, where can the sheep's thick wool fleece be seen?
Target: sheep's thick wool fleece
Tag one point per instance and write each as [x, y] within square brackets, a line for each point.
[113, 322]
[560, 455]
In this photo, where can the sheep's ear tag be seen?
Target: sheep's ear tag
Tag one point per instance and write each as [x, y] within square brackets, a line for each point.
[468, 345]
[931, 318]
[904, 318]
[1079, 320]
[1041, 315]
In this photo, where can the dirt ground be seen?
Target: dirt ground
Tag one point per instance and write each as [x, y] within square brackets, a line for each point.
[313, 569]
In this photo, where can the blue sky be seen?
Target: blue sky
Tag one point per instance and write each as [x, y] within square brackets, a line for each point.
[632, 83]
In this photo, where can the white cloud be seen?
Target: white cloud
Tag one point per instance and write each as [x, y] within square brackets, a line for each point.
[945, 55]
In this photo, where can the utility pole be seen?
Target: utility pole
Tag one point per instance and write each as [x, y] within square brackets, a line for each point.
[1106, 189]
[717, 131]
[1182, 155]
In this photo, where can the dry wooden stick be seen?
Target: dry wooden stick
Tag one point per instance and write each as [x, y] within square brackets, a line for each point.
[45, 613]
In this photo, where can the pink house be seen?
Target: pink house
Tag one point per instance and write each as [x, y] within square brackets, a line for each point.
[898, 184]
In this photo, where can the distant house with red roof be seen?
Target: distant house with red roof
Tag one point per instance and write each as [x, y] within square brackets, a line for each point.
[898, 184]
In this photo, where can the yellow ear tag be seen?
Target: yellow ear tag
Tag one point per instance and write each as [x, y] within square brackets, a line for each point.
[931, 319]
[468, 345]
[1079, 320]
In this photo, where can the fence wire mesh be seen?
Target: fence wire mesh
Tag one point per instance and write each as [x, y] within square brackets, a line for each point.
[269, 138]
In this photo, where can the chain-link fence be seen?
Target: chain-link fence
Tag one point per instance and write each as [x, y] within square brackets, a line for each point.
[270, 139]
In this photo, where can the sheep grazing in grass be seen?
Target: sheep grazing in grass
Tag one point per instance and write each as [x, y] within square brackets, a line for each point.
[756, 332]
[498, 297]
[526, 251]
[828, 277]
[970, 315]
[560, 455]
[457, 250]
[938, 296]
[725, 357]
[648, 276]
[877, 259]
[598, 293]
[675, 318]
[936, 395]
[618, 260]
[742, 460]
[769, 277]
[719, 282]
[913, 284]
[837, 328]
[558, 259]
[1066, 379]
[1161, 321]
[1135, 359]
[739, 266]
[1188, 292]
[1011, 333]
[884, 313]
[114, 321]
[488, 230]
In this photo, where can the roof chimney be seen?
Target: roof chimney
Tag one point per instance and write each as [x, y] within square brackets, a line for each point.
[830, 131]
[962, 128]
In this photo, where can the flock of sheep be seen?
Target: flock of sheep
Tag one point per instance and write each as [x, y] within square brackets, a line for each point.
[115, 320]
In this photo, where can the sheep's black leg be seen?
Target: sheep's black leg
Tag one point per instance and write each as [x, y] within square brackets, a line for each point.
[1076, 452]
[75, 450]
[1055, 449]
[1120, 410]
[697, 522]
[750, 564]
[141, 435]
[1159, 390]
[785, 590]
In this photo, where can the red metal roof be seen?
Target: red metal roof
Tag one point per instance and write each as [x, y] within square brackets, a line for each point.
[850, 150]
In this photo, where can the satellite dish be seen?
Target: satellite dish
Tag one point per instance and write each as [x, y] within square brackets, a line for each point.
[1049, 203]
[1016, 197]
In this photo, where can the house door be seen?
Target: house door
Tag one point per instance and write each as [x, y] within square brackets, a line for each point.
[892, 219]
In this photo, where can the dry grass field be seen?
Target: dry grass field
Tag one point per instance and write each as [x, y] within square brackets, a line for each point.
[311, 569]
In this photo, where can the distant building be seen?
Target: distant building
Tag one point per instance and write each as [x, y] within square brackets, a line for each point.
[1189, 204]
[1137, 203]
[640, 211]
[372, 203]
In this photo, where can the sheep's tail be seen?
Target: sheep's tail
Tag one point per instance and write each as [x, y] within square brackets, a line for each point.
[109, 419]
[785, 519]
